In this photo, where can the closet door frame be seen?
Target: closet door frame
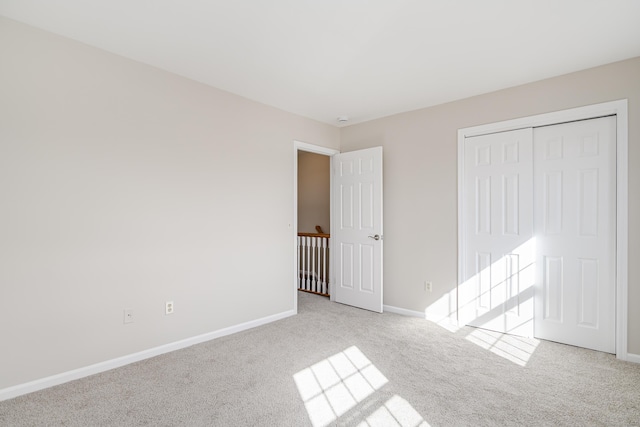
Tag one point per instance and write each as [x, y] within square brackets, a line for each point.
[620, 110]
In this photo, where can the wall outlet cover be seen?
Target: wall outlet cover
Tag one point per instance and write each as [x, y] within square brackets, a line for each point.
[168, 307]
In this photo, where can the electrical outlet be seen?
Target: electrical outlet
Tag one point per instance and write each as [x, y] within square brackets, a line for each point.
[428, 286]
[128, 315]
[168, 307]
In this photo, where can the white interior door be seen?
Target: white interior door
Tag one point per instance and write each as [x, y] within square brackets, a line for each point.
[497, 288]
[575, 226]
[357, 230]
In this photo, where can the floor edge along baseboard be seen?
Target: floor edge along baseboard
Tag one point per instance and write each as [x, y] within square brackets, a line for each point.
[53, 380]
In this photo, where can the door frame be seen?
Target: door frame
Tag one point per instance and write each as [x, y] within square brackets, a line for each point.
[330, 152]
[618, 108]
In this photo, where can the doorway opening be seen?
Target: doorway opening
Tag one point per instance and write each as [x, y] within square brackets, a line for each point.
[312, 219]
[356, 227]
[314, 222]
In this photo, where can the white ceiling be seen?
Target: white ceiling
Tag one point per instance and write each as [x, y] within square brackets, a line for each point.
[359, 58]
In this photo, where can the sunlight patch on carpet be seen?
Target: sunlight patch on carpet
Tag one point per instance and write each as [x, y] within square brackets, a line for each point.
[513, 348]
[395, 412]
[335, 385]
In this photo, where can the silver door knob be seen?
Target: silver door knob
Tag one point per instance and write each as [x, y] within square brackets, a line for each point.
[375, 237]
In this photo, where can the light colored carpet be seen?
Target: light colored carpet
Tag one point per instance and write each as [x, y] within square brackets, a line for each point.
[337, 365]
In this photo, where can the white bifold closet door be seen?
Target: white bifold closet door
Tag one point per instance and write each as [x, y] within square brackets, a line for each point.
[497, 288]
[575, 226]
[539, 233]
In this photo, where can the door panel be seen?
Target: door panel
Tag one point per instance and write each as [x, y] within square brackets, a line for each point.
[357, 189]
[574, 170]
[497, 288]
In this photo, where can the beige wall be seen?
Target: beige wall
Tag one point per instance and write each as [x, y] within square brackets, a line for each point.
[313, 192]
[420, 177]
[124, 186]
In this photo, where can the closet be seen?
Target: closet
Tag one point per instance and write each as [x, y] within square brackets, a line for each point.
[538, 226]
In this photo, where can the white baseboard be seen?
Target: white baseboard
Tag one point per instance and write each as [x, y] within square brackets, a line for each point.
[635, 358]
[411, 313]
[402, 311]
[20, 389]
